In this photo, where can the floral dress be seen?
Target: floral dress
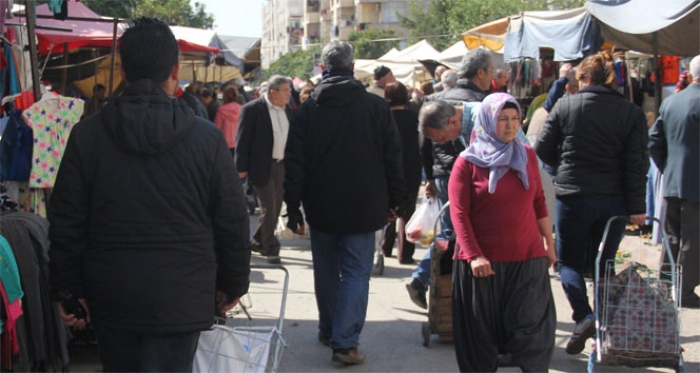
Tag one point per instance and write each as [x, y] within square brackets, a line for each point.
[51, 121]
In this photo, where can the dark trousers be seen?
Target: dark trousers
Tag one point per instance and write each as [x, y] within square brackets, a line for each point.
[509, 312]
[270, 199]
[406, 248]
[580, 225]
[128, 351]
[684, 239]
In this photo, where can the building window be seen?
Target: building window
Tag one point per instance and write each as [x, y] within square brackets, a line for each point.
[391, 8]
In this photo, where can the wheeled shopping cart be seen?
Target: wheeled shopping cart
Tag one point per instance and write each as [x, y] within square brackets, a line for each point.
[439, 292]
[637, 312]
[250, 344]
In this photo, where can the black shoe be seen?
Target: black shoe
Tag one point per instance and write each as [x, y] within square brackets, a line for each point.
[416, 291]
[256, 247]
[690, 301]
[324, 339]
[274, 259]
[348, 356]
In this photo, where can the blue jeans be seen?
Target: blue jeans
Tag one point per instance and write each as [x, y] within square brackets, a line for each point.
[422, 271]
[342, 266]
[580, 226]
[129, 351]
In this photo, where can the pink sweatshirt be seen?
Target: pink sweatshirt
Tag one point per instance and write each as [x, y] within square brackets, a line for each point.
[227, 121]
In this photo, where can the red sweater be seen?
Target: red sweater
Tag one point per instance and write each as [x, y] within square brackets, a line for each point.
[501, 226]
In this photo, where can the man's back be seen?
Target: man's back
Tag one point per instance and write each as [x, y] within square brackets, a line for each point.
[145, 192]
[351, 158]
[678, 156]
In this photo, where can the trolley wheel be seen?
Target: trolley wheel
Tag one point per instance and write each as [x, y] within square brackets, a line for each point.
[379, 264]
[425, 330]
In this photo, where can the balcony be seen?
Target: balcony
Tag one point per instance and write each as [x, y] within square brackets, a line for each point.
[311, 17]
[343, 3]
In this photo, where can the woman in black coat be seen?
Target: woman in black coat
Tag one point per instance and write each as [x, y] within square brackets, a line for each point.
[407, 123]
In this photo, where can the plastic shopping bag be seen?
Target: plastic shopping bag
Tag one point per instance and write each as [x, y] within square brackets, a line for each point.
[421, 226]
[229, 349]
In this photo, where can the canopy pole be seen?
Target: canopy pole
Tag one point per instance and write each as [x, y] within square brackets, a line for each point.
[64, 71]
[114, 55]
[30, 8]
[657, 71]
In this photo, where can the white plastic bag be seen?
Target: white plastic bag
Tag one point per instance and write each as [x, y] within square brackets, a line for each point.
[229, 349]
[421, 227]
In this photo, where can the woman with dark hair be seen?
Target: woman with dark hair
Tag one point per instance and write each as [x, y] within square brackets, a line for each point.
[597, 141]
[407, 123]
[227, 116]
[502, 299]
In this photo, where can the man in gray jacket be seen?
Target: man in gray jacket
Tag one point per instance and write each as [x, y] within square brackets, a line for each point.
[674, 143]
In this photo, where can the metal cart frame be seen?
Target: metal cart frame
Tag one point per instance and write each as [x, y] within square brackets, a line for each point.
[250, 348]
[637, 317]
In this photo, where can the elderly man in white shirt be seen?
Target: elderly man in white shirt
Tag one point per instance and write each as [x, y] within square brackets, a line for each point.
[263, 126]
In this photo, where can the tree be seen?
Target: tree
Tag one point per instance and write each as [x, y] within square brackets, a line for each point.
[299, 63]
[175, 12]
[453, 17]
[369, 44]
[178, 12]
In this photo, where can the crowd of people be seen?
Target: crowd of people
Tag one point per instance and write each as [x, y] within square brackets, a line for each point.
[349, 160]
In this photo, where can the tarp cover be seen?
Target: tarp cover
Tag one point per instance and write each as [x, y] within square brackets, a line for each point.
[100, 34]
[631, 24]
[82, 34]
[571, 33]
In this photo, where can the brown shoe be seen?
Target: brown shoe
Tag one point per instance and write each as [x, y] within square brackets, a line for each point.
[348, 356]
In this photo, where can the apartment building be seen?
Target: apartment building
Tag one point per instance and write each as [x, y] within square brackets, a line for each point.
[283, 29]
[328, 19]
[292, 24]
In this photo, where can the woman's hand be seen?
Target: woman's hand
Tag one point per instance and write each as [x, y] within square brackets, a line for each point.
[481, 267]
[551, 252]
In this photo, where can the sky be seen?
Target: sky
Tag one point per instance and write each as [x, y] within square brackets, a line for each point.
[236, 17]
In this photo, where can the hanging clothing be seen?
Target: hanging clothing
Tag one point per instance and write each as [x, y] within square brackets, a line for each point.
[52, 120]
[59, 9]
[16, 149]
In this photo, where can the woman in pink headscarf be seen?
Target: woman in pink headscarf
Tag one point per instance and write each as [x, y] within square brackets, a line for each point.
[502, 302]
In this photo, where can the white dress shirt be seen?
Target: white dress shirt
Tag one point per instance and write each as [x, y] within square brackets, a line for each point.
[280, 129]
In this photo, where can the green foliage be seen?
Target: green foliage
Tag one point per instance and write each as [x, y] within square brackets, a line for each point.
[453, 17]
[299, 63]
[366, 45]
[178, 12]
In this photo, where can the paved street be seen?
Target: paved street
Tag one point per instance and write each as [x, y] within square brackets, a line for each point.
[392, 340]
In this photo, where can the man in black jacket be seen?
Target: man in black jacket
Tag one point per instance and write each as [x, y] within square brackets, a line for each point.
[344, 163]
[261, 137]
[149, 229]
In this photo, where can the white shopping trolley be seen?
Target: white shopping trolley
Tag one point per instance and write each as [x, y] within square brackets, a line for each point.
[250, 344]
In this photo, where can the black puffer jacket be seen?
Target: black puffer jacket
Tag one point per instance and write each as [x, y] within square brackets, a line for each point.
[598, 141]
[343, 159]
[148, 216]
